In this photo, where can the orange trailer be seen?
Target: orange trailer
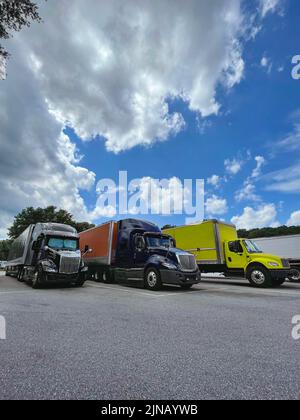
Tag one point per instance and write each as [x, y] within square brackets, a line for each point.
[102, 241]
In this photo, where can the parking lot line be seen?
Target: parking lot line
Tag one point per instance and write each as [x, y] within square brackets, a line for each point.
[121, 289]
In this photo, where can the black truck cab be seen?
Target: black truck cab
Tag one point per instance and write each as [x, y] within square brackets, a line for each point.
[143, 252]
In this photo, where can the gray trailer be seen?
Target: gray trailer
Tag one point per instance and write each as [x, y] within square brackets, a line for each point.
[287, 247]
[47, 253]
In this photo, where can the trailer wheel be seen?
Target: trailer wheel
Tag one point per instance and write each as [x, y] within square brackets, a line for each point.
[259, 276]
[20, 276]
[295, 275]
[152, 279]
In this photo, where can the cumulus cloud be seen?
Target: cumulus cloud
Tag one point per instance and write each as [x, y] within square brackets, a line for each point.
[107, 69]
[214, 181]
[216, 206]
[38, 163]
[263, 216]
[233, 166]
[294, 219]
[111, 68]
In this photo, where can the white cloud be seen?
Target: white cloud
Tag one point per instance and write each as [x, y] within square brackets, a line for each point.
[286, 180]
[216, 206]
[264, 216]
[294, 219]
[247, 192]
[214, 181]
[269, 6]
[266, 63]
[233, 166]
[292, 141]
[123, 64]
[260, 162]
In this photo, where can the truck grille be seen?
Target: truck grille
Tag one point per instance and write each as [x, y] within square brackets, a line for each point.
[69, 265]
[285, 263]
[187, 262]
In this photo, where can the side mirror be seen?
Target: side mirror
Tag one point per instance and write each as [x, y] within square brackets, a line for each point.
[173, 242]
[87, 250]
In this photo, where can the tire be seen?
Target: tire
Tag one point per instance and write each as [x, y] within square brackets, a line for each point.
[152, 279]
[20, 276]
[259, 276]
[278, 282]
[38, 278]
[294, 277]
[186, 286]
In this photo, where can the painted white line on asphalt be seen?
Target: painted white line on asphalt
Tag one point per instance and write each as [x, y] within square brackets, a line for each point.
[132, 291]
[14, 292]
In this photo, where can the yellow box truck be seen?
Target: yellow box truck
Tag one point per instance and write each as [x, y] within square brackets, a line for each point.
[217, 248]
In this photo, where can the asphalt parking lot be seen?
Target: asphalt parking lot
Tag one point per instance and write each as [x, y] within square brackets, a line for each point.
[221, 340]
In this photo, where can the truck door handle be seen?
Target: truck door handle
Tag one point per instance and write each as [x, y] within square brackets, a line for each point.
[229, 259]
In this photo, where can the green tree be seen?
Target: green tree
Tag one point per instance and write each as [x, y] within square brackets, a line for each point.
[14, 15]
[269, 232]
[32, 215]
[4, 249]
[167, 227]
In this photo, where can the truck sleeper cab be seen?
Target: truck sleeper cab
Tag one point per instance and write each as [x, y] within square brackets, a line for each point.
[47, 253]
[133, 249]
[217, 248]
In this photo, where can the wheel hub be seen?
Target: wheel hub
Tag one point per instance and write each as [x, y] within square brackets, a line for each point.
[258, 277]
[152, 279]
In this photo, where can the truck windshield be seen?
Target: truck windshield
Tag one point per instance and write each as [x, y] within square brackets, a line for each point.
[63, 244]
[252, 248]
[158, 241]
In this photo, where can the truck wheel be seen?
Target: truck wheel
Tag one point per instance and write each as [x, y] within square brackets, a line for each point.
[38, 278]
[153, 279]
[259, 276]
[186, 286]
[278, 282]
[20, 276]
[294, 275]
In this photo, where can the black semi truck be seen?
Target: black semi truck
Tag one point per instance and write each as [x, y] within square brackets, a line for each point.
[133, 249]
[47, 253]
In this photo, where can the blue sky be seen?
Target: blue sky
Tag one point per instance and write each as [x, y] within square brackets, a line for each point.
[247, 148]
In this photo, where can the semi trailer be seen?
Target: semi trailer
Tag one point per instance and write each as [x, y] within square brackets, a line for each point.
[286, 246]
[131, 249]
[218, 249]
[47, 253]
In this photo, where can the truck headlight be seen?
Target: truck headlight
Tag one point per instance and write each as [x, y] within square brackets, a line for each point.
[85, 268]
[169, 266]
[273, 264]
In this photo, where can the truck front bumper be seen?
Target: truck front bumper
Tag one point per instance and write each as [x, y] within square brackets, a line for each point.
[61, 278]
[279, 274]
[179, 277]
